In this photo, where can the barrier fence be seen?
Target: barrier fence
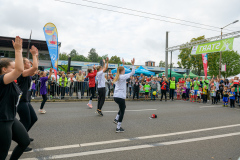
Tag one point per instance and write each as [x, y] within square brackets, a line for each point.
[78, 90]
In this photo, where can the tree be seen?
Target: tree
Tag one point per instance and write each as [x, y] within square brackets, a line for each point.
[73, 53]
[188, 61]
[63, 56]
[232, 61]
[115, 59]
[161, 64]
[93, 56]
[80, 58]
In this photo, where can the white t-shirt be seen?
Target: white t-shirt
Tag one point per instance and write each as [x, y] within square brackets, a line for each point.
[101, 79]
[120, 85]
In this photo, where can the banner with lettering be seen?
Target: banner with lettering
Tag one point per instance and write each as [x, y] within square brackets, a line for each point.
[216, 46]
[205, 62]
[51, 36]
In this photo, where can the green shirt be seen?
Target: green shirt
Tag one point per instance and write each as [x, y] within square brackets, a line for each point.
[196, 83]
[147, 88]
[205, 83]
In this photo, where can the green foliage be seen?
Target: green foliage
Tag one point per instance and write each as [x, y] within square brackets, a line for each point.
[63, 56]
[65, 67]
[161, 64]
[115, 59]
[93, 56]
[232, 61]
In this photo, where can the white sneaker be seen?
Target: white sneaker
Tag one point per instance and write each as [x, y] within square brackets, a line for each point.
[42, 111]
[32, 97]
[90, 105]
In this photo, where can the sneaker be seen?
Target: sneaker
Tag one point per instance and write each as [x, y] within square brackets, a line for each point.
[99, 112]
[120, 130]
[223, 105]
[90, 105]
[28, 149]
[115, 121]
[192, 101]
[42, 111]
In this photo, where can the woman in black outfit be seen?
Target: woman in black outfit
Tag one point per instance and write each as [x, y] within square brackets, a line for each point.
[25, 110]
[10, 94]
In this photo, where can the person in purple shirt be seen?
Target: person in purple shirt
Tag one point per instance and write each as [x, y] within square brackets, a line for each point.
[43, 89]
[33, 89]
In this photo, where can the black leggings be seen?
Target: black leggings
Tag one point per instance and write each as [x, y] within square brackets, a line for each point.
[92, 92]
[164, 93]
[136, 93]
[232, 103]
[63, 90]
[122, 107]
[101, 97]
[44, 96]
[171, 94]
[13, 130]
[27, 115]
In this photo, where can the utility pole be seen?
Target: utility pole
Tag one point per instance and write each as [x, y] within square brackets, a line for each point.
[171, 66]
[220, 60]
[166, 56]
[29, 41]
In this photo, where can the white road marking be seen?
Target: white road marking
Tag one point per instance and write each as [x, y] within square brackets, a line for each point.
[134, 147]
[210, 106]
[133, 110]
[130, 139]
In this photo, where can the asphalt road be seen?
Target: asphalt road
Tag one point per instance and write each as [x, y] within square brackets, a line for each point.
[182, 131]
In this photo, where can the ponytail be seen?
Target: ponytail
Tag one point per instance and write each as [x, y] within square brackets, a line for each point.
[119, 70]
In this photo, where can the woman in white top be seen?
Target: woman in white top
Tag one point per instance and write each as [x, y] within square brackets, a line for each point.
[120, 93]
[101, 86]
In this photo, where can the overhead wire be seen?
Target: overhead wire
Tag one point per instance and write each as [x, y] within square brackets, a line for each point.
[133, 15]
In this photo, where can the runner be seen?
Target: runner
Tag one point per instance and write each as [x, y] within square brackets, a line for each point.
[10, 94]
[43, 89]
[120, 93]
[25, 110]
[101, 86]
[91, 75]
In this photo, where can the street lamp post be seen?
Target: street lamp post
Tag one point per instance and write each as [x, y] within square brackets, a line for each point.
[220, 61]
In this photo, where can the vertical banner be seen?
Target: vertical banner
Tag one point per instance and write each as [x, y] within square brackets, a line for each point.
[51, 36]
[205, 62]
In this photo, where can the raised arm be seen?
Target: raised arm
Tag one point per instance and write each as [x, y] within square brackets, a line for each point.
[105, 67]
[17, 71]
[50, 73]
[126, 76]
[31, 70]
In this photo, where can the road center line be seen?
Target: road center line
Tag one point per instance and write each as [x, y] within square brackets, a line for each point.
[134, 147]
[133, 110]
[129, 139]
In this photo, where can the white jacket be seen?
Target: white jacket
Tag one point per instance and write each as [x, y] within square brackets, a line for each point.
[120, 85]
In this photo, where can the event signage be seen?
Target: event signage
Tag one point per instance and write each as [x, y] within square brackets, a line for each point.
[205, 62]
[216, 46]
[51, 36]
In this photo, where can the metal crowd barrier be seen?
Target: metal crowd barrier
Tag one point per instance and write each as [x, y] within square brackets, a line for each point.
[77, 90]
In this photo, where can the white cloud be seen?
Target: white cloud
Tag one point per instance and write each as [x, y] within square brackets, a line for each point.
[83, 28]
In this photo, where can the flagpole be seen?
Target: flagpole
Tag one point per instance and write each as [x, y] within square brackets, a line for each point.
[29, 41]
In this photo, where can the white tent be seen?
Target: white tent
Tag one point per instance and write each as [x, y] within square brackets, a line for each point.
[232, 77]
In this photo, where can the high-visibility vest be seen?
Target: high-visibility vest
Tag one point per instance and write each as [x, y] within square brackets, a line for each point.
[172, 84]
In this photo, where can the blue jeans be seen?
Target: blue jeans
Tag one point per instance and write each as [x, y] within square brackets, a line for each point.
[152, 90]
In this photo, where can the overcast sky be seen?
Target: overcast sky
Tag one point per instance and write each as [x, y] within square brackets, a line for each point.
[126, 36]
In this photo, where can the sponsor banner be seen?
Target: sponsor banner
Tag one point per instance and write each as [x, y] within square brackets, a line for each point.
[51, 35]
[205, 62]
[216, 46]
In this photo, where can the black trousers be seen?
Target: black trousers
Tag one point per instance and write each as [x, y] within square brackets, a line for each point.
[171, 95]
[13, 130]
[214, 100]
[163, 93]
[122, 106]
[204, 98]
[101, 97]
[63, 90]
[136, 93]
[44, 96]
[27, 115]
[232, 103]
[92, 92]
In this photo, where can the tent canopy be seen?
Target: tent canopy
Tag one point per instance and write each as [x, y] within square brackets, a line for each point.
[173, 74]
[191, 75]
[143, 71]
[126, 70]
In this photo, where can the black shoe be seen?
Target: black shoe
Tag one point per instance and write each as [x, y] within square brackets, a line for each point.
[31, 139]
[99, 112]
[120, 130]
[28, 149]
[115, 121]
[160, 100]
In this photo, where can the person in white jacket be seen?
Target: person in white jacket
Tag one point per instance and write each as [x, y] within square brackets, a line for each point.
[70, 84]
[120, 93]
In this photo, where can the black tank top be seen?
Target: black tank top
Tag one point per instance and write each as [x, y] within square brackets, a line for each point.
[24, 84]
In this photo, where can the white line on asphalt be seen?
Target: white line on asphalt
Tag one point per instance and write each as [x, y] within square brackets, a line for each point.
[210, 106]
[134, 147]
[133, 110]
[131, 139]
